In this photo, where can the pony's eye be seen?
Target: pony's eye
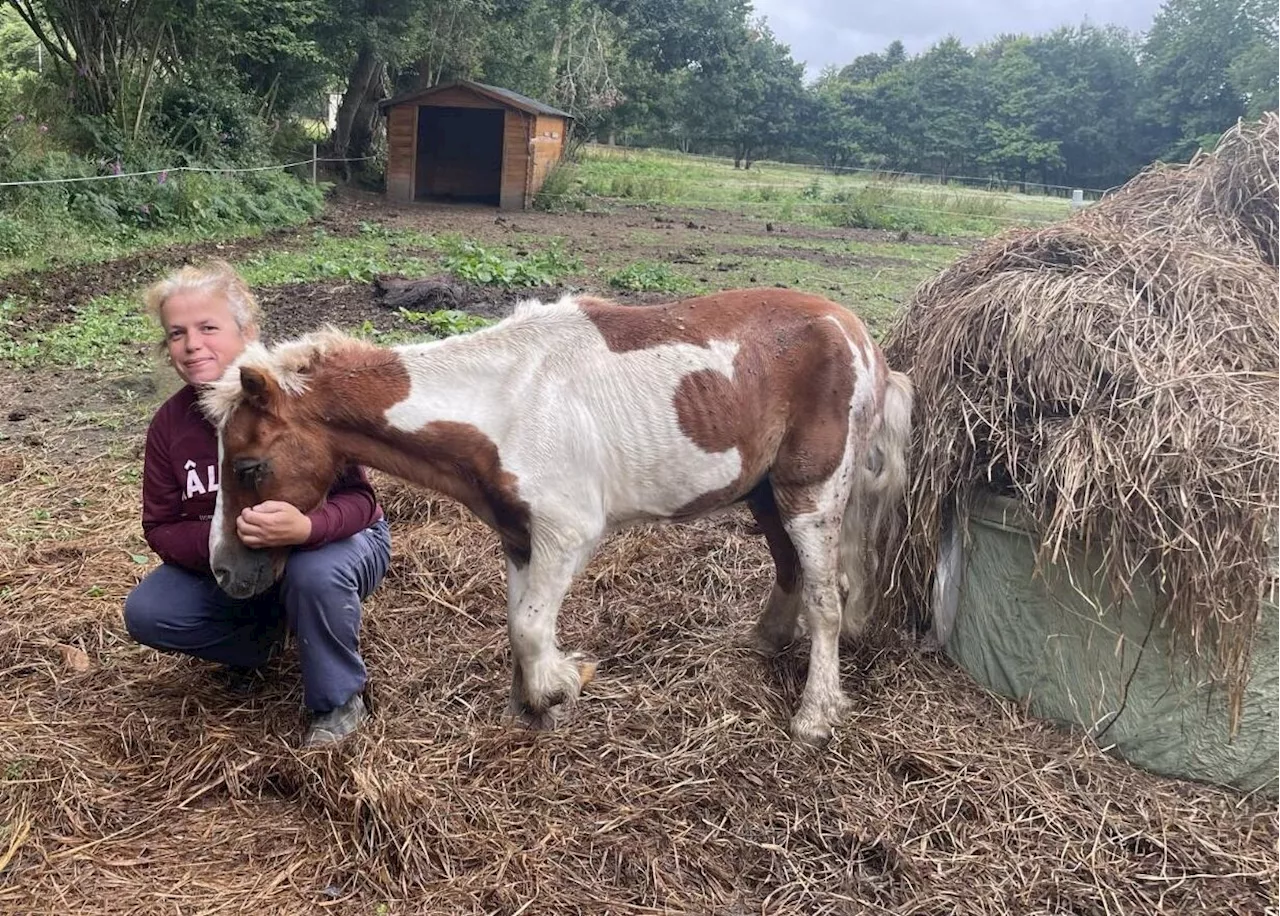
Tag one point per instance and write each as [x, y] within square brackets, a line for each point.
[250, 472]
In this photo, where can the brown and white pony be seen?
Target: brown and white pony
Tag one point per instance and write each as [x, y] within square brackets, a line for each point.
[571, 420]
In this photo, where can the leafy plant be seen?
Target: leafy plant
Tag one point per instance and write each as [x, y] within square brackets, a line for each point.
[445, 322]
[106, 333]
[472, 262]
[646, 277]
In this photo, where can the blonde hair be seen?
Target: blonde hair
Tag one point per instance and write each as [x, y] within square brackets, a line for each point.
[215, 276]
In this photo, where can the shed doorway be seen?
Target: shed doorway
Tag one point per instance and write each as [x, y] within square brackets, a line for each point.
[460, 154]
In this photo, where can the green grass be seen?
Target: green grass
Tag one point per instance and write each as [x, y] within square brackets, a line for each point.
[422, 326]
[780, 191]
[876, 292]
[66, 246]
[325, 256]
[109, 333]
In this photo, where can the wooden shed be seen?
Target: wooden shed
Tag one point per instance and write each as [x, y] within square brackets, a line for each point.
[465, 141]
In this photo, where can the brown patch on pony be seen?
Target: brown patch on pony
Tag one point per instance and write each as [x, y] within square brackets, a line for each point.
[343, 412]
[786, 407]
[459, 460]
[456, 459]
[702, 319]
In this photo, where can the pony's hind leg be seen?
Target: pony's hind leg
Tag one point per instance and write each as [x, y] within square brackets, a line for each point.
[545, 681]
[815, 535]
[776, 628]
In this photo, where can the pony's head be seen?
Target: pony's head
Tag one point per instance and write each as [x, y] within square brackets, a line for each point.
[271, 447]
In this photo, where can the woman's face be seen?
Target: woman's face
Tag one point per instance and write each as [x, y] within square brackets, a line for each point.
[201, 334]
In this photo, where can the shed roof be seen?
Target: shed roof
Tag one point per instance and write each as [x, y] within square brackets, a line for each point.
[506, 97]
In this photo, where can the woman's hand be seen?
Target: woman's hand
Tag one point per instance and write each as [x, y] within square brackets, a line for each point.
[273, 524]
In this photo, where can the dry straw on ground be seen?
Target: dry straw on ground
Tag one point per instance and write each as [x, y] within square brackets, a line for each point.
[143, 786]
[1118, 373]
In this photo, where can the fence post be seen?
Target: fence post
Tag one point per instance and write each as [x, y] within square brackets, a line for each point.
[313, 163]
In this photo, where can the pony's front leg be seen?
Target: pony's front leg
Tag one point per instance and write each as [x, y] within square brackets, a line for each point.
[544, 681]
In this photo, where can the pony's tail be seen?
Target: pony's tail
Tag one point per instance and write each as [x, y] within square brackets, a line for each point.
[878, 487]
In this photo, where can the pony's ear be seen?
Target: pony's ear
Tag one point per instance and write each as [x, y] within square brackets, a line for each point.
[260, 390]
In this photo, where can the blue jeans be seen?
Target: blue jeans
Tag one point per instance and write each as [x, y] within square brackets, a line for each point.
[320, 595]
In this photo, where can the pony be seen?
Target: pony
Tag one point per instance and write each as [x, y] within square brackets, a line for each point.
[570, 420]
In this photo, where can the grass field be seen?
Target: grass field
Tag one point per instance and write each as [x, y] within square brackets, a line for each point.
[782, 191]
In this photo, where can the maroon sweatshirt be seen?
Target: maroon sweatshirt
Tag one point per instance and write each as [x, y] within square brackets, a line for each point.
[180, 486]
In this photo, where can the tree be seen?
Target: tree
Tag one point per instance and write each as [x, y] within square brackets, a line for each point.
[1016, 86]
[1188, 60]
[1088, 101]
[95, 46]
[1253, 75]
[945, 79]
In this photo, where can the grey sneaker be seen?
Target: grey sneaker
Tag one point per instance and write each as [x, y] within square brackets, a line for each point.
[337, 724]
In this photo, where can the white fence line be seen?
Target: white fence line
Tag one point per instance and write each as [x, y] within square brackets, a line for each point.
[182, 168]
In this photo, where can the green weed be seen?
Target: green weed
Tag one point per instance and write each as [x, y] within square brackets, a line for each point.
[110, 332]
[472, 262]
[445, 322]
[646, 277]
[360, 259]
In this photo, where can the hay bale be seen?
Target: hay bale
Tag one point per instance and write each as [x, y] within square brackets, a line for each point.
[1226, 198]
[1117, 375]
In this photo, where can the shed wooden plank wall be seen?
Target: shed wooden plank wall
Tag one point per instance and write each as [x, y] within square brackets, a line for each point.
[547, 144]
[402, 152]
[515, 159]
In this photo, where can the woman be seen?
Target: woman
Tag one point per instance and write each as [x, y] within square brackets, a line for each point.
[342, 549]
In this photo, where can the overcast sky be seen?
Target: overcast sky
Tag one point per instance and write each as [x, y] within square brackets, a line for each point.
[822, 32]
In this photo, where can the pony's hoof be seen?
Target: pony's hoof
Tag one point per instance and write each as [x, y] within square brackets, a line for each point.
[771, 645]
[586, 669]
[547, 720]
[544, 709]
[810, 733]
[814, 727]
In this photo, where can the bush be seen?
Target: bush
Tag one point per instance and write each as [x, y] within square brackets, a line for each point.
[116, 208]
[560, 193]
[211, 123]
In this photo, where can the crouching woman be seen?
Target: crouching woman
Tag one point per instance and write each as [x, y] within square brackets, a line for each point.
[341, 550]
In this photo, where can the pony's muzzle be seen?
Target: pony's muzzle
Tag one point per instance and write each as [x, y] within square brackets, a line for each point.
[252, 574]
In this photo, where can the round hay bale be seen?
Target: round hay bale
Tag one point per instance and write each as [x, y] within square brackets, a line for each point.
[1116, 376]
[1227, 198]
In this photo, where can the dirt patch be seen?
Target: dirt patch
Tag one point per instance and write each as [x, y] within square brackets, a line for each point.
[72, 412]
[296, 308]
[57, 292]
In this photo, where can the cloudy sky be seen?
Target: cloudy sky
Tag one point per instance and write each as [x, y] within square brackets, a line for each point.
[822, 32]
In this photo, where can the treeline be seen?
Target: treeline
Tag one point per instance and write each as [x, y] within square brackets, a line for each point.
[233, 81]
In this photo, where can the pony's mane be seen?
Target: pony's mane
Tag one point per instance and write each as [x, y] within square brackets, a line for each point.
[289, 363]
